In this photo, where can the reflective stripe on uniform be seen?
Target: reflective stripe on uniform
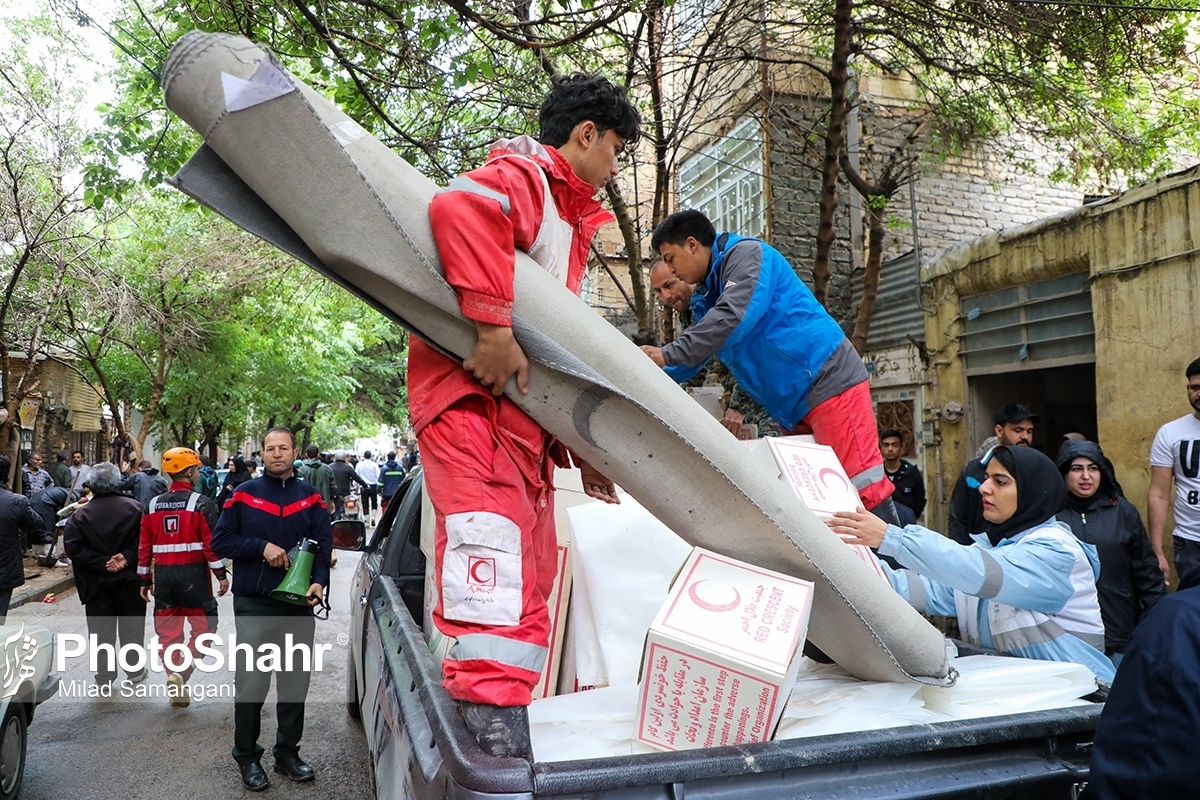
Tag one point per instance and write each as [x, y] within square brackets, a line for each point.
[916, 592]
[178, 548]
[470, 186]
[193, 499]
[993, 576]
[1044, 632]
[488, 647]
[868, 477]
[216, 565]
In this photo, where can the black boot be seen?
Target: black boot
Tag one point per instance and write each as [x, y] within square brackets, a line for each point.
[290, 766]
[253, 777]
[501, 731]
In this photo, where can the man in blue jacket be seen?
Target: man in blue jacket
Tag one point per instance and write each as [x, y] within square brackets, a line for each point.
[784, 349]
[261, 522]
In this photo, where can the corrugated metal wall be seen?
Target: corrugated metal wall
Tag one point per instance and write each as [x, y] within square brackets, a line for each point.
[898, 313]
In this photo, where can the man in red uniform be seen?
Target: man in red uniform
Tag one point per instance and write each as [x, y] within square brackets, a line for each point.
[488, 466]
[174, 559]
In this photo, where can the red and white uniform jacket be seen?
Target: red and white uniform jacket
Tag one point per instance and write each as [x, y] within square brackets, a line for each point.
[526, 197]
[177, 541]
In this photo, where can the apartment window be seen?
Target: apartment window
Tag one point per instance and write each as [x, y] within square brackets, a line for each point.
[725, 181]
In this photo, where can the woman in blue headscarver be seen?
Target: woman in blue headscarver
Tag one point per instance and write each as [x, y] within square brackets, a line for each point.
[1026, 586]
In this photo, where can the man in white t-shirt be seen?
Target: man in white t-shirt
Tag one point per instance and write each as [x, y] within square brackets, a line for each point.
[1175, 456]
[368, 470]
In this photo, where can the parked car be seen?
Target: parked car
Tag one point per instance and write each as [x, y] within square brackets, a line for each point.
[26, 681]
[420, 747]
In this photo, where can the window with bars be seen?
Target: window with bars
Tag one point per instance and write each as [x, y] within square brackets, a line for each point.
[725, 181]
[1038, 325]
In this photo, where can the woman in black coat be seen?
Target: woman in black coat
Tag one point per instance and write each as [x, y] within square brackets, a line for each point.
[236, 477]
[1130, 581]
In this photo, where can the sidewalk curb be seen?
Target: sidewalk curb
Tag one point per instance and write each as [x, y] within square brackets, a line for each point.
[35, 594]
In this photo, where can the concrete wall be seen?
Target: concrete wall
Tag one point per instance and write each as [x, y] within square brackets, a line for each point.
[1141, 253]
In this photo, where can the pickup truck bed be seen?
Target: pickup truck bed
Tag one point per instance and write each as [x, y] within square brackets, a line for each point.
[421, 748]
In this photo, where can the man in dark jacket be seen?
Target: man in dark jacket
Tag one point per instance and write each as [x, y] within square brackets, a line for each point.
[343, 474]
[101, 539]
[60, 471]
[1014, 428]
[1145, 743]
[1130, 581]
[319, 474]
[904, 475]
[17, 519]
[47, 503]
[390, 478]
[145, 484]
[263, 520]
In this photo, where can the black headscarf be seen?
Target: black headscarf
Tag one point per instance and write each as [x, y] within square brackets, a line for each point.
[1108, 490]
[1040, 491]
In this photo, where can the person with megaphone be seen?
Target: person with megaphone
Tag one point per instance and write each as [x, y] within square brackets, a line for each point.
[273, 598]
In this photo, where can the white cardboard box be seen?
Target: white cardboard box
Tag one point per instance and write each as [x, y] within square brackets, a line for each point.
[815, 475]
[720, 654]
[819, 480]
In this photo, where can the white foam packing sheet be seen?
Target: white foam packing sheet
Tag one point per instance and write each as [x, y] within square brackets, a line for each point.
[628, 559]
[825, 699]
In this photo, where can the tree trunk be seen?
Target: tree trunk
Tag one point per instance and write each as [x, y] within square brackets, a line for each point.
[633, 251]
[877, 230]
[835, 140]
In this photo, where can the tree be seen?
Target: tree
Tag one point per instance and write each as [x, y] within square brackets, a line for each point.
[45, 228]
[166, 281]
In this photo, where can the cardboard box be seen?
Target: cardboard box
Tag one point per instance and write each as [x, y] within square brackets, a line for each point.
[568, 493]
[818, 479]
[721, 654]
[815, 475]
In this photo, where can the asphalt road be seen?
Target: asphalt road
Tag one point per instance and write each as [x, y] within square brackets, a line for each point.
[82, 748]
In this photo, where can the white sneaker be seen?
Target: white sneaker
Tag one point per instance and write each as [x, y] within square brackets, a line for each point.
[180, 698]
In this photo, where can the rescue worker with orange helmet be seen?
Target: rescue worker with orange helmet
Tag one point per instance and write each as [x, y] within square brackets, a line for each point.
[174, 559]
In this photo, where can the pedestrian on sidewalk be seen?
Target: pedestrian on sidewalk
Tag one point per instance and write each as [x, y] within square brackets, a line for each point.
[174, 559]
[17, 520]
[101, 539]
[368, 470]
[60, 473]
[263, 520]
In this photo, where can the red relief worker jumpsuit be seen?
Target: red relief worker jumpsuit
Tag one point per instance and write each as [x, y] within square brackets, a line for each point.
[175, 554]
[488, 466]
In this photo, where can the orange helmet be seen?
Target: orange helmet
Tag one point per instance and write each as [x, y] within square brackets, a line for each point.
[178, 459]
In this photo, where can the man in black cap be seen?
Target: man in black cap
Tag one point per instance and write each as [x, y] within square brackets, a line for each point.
[1014, 427]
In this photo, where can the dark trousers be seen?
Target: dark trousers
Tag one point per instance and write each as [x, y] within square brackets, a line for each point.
[259, 621]
[5, 599]
[113, 610]
[370, 501]
[1187, 555]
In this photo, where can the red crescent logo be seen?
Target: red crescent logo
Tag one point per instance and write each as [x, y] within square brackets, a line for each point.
[707, 606]
[840, 484]
[489, 572]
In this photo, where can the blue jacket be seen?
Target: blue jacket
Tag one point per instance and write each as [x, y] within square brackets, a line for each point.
[390, 477]
[755, 314]
[1145, 745]
[1039, 570]
[281, 512]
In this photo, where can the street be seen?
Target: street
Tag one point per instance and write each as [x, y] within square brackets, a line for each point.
[81, 748]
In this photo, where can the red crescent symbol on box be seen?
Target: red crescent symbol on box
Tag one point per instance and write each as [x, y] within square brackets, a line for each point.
[840, 486]
[707, 606]
[475, 573]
